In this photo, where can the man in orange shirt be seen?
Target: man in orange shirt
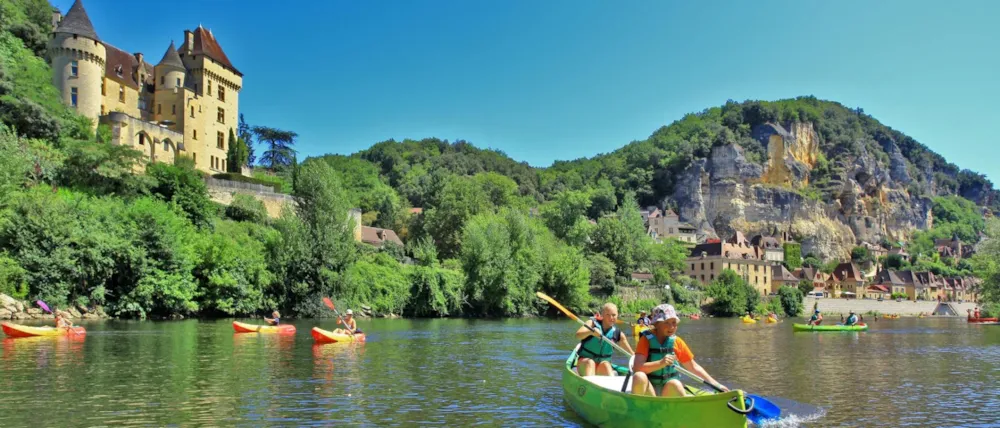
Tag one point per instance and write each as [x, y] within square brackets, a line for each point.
[657, 350]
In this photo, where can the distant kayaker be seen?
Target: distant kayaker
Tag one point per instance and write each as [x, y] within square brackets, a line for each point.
[643, 319]
[655, 354]
[61, 321]
[852, 319]
[350, 324]
[275, 320]
[816, 318]
[595, 354]
[977, 313]
[773, 316]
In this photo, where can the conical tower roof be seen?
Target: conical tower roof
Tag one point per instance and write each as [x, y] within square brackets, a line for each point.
[77, 22]
[171, 58]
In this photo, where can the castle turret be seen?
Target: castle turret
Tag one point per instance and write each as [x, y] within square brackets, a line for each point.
[169, 95]
[78, 59]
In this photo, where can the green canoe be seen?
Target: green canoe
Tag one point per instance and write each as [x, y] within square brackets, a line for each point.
[807, 327]
[599, 401]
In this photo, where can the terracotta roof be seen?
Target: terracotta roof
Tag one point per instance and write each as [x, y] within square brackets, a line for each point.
[416, 210]
[205, 44]
[881, 288]
[171, 58]
[738, 239]
[377, 236]
[121, 67]
[781, 273]
[845, 271]
[768, 242]
[726, 250]
[77, 22]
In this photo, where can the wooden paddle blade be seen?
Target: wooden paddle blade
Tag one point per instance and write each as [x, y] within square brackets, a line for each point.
[562, 308]
[328, 303]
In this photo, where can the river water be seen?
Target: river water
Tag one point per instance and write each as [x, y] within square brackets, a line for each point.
[908, 372]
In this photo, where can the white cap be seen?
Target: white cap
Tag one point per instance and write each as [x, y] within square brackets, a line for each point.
[664, 312]
[350, 312]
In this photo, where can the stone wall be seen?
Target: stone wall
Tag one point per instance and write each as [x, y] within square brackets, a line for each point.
[222, 191]
[13, 309]
[904, 308]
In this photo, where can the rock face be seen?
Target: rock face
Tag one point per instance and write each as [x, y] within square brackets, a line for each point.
[865, 198]
[12, 309]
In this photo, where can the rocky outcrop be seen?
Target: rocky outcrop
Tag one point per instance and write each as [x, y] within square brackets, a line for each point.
[865, 199]
[12, 309]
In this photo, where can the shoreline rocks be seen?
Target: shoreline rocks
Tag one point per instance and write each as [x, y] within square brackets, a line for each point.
[13, 309]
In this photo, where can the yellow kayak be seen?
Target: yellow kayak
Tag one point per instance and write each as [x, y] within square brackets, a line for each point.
[17, 330]
[772, 320]
[240, 327]
[748, 320]
[636, 329]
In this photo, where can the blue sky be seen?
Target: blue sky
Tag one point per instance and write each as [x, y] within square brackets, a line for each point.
[562, 79]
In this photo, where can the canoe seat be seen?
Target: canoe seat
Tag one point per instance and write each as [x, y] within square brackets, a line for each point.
[613, 383]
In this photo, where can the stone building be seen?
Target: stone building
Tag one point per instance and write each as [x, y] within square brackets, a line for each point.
[669, 225]
[708, 260]
[184, 105]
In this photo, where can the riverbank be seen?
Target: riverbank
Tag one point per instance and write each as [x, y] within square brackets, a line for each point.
[905, 308]
[13, 309]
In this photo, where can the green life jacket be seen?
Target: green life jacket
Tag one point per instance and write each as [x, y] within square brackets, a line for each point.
[657, 351]
[597, 349]
[815, 317]
[851, 320]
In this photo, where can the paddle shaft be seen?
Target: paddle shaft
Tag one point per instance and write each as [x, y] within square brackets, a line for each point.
[619, 348]
[346, 327]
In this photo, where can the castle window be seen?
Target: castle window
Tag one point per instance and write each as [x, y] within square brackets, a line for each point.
[223, 164]
[159, 109]
[142, 139]
[74, 68]
[222, 116]
[194, 157]
[72, 96]
[118, 70]
[178, 82]
[104, 87]
[102, 109]
[166, 147]
[222, 93]
[163, 80]
[121, 93]
[220, 141]
[173, 109]
[192, 111]
[210, 87]
[194, 134]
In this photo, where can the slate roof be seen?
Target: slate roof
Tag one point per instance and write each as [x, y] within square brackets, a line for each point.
[77, 22]
[205, 44]
[781, 273]
[171, 58]
[119, 61]
[378, 236]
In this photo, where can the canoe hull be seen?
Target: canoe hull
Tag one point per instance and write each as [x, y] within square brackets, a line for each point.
[637, 329]
[324, 336]
[605, 407]
[982, 320]
[240, 327]
[807, 327]
[17, 330]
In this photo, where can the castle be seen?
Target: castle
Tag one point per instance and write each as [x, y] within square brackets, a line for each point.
[185, 105]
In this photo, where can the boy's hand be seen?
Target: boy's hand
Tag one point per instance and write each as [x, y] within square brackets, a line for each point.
[668, 360]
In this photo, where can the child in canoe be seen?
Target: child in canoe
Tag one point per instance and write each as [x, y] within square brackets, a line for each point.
[275, 320]
[350, 324]
[595, 354]
[816, 318]
[655, 354]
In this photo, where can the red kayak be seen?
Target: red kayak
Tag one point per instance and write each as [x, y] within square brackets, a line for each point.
[979, 320]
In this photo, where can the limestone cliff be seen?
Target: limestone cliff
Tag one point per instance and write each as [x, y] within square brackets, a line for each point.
[866, 196]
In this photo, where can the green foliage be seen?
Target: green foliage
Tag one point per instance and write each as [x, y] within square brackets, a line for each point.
[460, 199]
[103, 169]
[812, 261]
[435, 292]
[805, 286]
[860, 254]
[566, 216]
[247, 208]
[279, 156]
[365, 190]
[13, 278]
[237, 154]
[378, 283]
[732, 295]
[903, 296]
[791, 300]
[502, 263]
[602, 272]
[183, 187]
[633, 307]
[793, 255]
[986, 263]
[232, 271]
[622, 238]
[896, 262]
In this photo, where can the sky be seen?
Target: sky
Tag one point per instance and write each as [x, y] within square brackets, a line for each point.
[563, 79]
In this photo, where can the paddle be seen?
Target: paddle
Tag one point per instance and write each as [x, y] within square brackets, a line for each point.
[329, 304]
[45, 307]
[762, 408]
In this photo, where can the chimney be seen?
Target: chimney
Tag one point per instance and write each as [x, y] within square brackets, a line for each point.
[188, 41]
[138, 56]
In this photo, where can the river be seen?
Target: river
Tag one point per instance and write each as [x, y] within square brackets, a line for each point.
[907, 372]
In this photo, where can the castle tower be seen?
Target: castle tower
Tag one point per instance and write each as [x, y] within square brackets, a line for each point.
[78, 59]
[169, 94]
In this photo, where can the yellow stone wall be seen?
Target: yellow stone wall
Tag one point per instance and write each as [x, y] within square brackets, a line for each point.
[209, 76]
[112, 102]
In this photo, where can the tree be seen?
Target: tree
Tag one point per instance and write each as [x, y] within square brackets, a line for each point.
[279, 155]
[793, 255]
[732, 295]
[791, 300]
[565, 215]
[244, 133]
[812, 261]
[502, 263]
[859, 254]
[806, 286]
[986, 263]
[897, 262]
[622, 237]
[236, 156]
[461, 199]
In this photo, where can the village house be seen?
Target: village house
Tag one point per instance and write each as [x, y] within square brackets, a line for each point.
[773, 251]
[874, 250]
[781, 276]
[817, 277]
[668, 225]
[708, 260]
[374, 236]
[644, 278]
[885, 284]
[846, 281]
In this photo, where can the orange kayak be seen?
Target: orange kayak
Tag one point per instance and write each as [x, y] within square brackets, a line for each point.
[323, 336]
[17, 330]
[240, 327]
[978, 320]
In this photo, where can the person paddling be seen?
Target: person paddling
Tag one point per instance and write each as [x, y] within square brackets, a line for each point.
[816, 318]
[595, 354]
[655, 354]
[643, 319]
[61, 320]
[852, 319]
[275, 320]
[350, 324]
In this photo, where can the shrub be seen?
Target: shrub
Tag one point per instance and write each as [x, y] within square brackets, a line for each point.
[791, 300]
[246, 208]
